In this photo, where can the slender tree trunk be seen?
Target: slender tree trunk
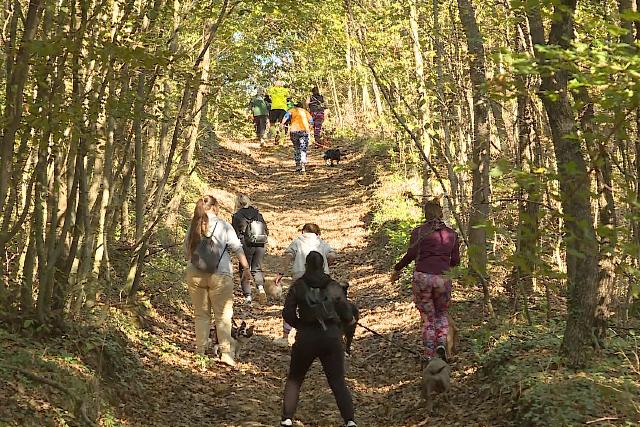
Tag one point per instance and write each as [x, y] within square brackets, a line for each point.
[192, 137]
[479, 215]
[423, 102]
[445, 140]
[19, 71]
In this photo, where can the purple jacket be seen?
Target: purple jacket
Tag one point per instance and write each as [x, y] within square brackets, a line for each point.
[434, 253]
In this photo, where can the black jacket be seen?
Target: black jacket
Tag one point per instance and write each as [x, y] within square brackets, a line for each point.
[297, 313]
[241, 219]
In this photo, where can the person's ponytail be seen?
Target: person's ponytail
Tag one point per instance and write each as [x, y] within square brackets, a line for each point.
[200, 221]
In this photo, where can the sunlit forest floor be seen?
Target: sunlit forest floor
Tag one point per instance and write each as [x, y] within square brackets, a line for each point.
[149, 376]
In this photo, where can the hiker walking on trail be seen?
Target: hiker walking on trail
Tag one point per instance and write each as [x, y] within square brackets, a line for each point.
[299, 129]
[296, 255]
[435, 249]
[260, 112]
[317, 307]
[209, 274]
[252, 230]
[278, 95]
[317, 108]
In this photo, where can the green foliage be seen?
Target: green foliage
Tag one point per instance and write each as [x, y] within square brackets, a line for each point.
[521, 364]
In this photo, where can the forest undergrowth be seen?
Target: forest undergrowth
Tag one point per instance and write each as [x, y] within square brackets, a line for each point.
[133, 365]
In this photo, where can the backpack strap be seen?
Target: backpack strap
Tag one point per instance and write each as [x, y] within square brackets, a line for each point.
[212, 231]
[211, 236]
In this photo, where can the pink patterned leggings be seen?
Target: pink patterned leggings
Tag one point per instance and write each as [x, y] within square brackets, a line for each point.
[431, 294]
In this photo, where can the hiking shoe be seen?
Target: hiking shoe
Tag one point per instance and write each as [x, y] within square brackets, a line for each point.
[281, 342]
[351, 423]
[286, 422]
[262, 295]
[227, 359]
[442, 353]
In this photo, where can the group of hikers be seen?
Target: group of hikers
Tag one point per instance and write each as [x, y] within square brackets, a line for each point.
[315, 305]
[273, 112]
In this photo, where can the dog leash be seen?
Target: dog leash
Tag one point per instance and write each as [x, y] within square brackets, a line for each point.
[378, 334]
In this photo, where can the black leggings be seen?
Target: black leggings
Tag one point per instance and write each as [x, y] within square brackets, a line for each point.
[255, 255]
[308, 346]
[260, 124]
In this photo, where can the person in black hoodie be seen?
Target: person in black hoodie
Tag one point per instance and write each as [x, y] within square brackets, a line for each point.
[317, 307]
[241, 222]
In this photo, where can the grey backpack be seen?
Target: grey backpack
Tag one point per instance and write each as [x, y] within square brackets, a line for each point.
[207, 255]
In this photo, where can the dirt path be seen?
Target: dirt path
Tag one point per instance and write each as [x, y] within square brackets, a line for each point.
[384, 378]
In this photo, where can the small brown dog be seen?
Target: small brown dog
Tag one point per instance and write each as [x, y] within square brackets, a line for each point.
[452, 337]
[435, 379]
[273, 288]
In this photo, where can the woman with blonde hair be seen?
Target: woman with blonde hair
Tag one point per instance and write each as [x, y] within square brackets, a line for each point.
[252, 230]
[211, 286]
[435, 249]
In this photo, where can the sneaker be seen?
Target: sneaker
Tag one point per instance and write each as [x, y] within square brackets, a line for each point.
[303, 168]
[286, 422]
[227, 359]
[281, 342]
[248, 300]
[262, 295]
[351, 424]
[442, 353]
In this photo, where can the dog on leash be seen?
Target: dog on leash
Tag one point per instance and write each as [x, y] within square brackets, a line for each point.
[332, 155]
[240, 334]
[436, 378]
[273, 289]
[349, 330]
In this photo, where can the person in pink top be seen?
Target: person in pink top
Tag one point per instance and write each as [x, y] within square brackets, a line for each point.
[434, 248]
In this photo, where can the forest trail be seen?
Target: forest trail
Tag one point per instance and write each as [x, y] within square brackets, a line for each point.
[384, 378]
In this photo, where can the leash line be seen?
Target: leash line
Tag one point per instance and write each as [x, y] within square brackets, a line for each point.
[378, 334]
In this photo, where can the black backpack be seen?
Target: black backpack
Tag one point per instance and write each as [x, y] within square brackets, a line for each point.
[316, 103]
[207, 255]
[255, 234]
[321, 307]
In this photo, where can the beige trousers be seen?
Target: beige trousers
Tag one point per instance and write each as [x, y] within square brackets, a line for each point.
[211, 292]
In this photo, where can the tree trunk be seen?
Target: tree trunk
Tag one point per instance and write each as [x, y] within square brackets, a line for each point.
[19, 71]
[445, 140]
[192, 137]
[479, 215]
[423, 103]
[580, 237]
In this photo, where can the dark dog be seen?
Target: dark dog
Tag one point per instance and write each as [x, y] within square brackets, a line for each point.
[332, 155]
[241, 335]
[350, 330]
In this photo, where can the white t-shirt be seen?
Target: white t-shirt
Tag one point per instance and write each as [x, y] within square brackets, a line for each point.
[300, 248]
[227, 238]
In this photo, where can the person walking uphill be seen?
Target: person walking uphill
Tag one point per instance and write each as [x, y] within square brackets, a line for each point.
[252, 230]
[299, 130]
[435, 249]
[260, 111]
[278, 96]
[317, 307]
[316, 107]
[295, 256]
[209, 274]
